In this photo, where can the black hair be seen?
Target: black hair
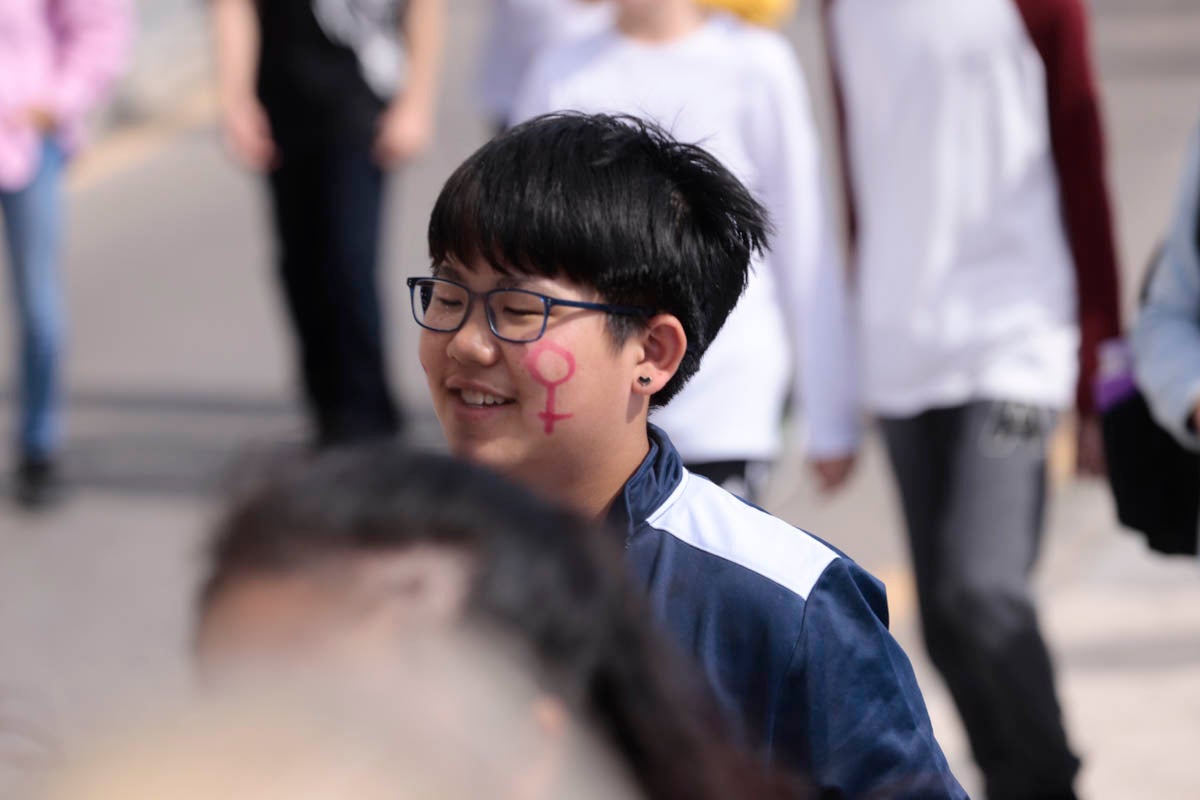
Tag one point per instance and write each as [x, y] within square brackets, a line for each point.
[541, 574]
[612, 203]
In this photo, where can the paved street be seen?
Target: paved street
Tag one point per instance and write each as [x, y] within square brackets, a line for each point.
[179, 372]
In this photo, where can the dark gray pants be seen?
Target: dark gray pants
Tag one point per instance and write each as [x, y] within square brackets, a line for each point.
[972, 481]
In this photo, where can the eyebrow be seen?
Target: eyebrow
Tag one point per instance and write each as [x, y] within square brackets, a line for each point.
[442, 270]
[512, 282]
[503, 282]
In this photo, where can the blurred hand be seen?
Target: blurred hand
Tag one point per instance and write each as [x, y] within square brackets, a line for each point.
[247, 132]
[1089, 448]
[405, 131]
[832, 473]
[42, 119]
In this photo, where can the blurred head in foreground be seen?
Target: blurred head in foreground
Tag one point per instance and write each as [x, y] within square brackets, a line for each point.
[346, 560]
[452, 723]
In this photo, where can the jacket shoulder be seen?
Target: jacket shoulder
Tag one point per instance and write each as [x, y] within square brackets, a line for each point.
[710, 519]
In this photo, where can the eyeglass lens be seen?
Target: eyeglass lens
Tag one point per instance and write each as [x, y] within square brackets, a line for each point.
[514, 314]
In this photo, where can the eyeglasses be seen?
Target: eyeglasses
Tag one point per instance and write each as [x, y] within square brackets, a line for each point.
[514, 315]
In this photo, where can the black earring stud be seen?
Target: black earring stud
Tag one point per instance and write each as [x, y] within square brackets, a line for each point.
[644, 380]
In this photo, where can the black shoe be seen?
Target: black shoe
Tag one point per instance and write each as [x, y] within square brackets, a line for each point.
[39, 484]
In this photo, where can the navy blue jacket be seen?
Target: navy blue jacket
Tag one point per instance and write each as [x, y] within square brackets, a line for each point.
[791, 634]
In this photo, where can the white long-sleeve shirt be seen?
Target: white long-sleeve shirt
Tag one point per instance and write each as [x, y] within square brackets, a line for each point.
[966, 284]
[738, 92]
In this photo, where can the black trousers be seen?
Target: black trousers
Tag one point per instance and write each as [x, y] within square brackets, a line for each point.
[972, 481]
[327, 202]
[746, 479]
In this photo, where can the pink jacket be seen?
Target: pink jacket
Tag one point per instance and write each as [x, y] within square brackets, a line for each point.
[58, 54]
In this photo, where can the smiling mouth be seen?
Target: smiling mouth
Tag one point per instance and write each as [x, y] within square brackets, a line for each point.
[483, 399]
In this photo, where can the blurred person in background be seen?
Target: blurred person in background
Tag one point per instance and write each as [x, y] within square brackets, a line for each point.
[326, 97]
[1166, 338]
[517, 31]
[771, 13]
[736, 89]
[354, 558]
[986, 277]
[57, 60]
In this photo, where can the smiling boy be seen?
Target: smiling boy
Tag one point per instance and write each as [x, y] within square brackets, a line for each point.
[581, 267]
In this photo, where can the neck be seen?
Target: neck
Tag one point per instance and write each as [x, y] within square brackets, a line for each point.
[660, 21]
[592, 489]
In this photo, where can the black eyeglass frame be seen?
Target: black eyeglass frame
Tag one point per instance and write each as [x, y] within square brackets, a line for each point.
[548, 303]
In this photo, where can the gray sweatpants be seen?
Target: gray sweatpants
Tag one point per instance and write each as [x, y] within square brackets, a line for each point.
[972, 481]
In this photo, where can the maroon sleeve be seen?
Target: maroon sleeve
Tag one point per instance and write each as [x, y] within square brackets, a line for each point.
[843, 145]
[1059, 30]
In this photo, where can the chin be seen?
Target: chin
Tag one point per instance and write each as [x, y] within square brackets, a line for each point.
[490, 453]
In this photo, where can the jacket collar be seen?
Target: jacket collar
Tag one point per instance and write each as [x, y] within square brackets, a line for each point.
[650, 485]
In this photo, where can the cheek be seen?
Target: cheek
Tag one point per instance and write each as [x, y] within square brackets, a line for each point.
[429, 354]
[552, 365]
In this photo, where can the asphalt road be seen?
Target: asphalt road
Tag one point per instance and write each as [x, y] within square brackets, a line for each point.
[179, 368]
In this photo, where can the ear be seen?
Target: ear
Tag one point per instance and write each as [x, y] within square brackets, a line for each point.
[550, 716]
[663, 346]
[542, 771]
[421, 586]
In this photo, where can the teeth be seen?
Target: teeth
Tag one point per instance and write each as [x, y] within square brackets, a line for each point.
[481, 398]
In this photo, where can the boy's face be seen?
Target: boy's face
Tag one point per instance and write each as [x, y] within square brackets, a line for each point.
[546, 412]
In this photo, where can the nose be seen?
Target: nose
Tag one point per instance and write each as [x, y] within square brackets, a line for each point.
[474, 343]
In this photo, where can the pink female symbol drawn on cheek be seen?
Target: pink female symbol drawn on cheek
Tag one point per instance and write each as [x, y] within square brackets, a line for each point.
[551, 366]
